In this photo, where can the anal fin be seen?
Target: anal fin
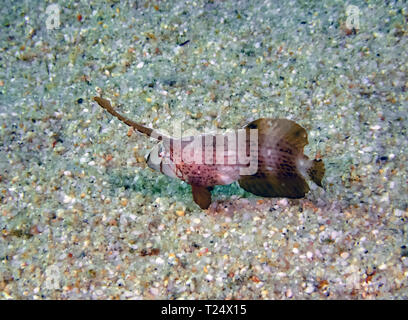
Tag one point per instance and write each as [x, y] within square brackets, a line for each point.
[201, 196]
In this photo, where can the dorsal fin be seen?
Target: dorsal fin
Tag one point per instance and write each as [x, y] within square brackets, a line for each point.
[105, 104]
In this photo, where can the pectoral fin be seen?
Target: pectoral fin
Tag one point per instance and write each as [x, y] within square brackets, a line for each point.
[201, 196]
[273, 186]
[281, 143]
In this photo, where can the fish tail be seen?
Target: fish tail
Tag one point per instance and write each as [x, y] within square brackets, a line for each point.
[105, 104]
[316, 171]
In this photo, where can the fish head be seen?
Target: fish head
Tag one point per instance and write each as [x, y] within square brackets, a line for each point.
[159, 160]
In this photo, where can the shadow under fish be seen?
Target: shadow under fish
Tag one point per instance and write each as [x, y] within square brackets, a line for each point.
[267, 161]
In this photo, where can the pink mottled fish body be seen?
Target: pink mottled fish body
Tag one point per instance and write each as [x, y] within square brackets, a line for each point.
[204, 161]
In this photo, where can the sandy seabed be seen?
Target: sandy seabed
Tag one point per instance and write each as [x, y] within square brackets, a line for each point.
[81, 215]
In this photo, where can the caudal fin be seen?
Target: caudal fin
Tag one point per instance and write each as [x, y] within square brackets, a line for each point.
[316, 171]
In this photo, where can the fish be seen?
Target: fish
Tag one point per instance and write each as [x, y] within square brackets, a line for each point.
[266, 157]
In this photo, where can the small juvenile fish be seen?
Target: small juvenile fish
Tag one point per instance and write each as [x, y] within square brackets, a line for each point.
[272, 149]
